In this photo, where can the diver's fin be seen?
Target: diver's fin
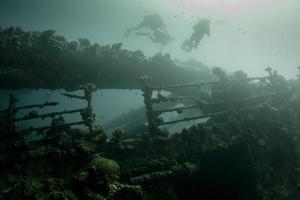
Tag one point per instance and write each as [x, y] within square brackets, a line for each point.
[184, 44]
[127, 33]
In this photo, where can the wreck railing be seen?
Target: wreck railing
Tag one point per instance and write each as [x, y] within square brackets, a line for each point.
[201, 84]
[154, 121]
[208, 115]
[88, 117]
[201, 104]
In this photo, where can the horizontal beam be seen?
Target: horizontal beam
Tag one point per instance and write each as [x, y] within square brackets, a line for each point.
[32, 129]
[53, 114]
[166, 99]
[198, 85]
[158, 112]
[73, 96]
[246, 98]
[198, 105]
[207, 115]
[42, 105]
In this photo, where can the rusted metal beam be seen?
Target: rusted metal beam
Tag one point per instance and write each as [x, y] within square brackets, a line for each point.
[208, 115]
[199, 85]
[53, 114]
[177, 109]
[39, 129]
[42, 105]
[161, 98]
[204, 103]
[246, 98]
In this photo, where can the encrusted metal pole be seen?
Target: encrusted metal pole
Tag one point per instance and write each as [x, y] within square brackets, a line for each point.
[88, 91]
[89, 116]
[11, 113]
[147, 93]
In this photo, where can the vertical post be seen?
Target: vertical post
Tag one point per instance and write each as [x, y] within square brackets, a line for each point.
[278, 83]
[270, 71]
[89, 115]
[147, 93]
[11, 112]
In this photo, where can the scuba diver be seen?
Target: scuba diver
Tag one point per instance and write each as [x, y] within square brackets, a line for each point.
[200, 29]
[161, 37]
[157, 33]
[153, 21]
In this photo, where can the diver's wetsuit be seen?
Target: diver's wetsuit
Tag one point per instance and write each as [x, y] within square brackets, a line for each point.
[200, 29]
[154, 22]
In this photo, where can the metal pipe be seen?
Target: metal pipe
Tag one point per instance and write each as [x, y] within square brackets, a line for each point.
[28, 117]
[207, 116]
[208, 83]
[31, 129]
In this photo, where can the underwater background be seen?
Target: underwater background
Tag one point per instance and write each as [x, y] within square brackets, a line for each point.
[138, 99]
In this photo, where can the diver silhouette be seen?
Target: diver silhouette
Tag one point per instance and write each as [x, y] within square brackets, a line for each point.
[157, 33]
[201, 29]
[153, 21]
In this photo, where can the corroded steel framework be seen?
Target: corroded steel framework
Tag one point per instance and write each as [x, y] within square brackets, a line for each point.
[8, 116]
[154, 121]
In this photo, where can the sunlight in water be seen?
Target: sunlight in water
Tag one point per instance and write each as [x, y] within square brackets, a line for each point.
[226, 5]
